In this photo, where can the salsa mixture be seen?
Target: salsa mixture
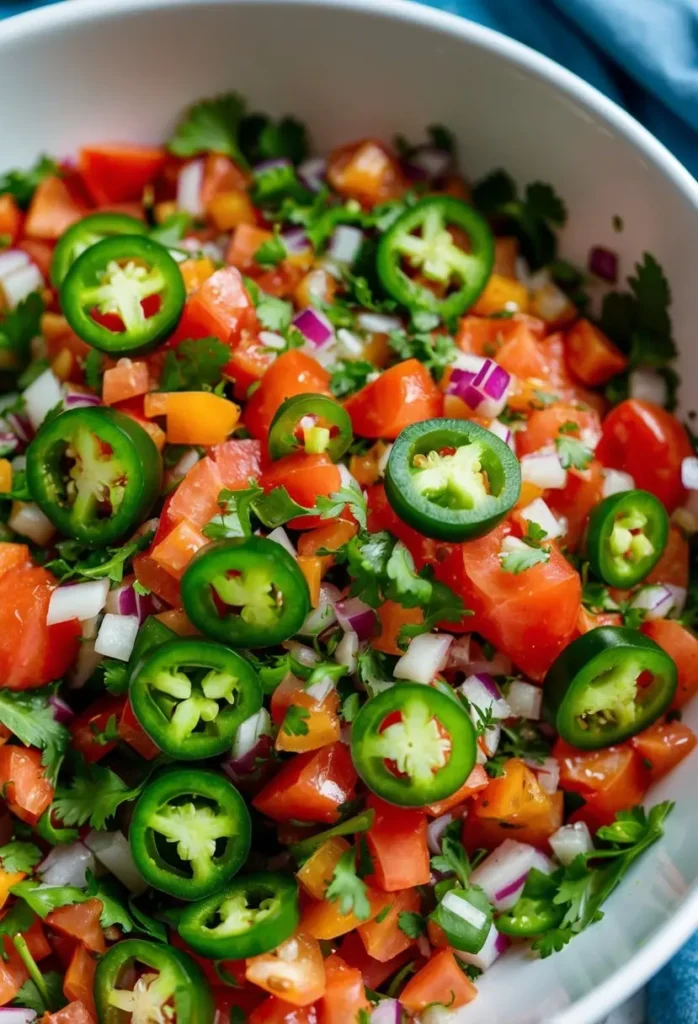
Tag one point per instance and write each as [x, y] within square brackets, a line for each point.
[345, 578]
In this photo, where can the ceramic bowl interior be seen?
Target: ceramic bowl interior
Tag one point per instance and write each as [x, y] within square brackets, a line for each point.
[105, 70]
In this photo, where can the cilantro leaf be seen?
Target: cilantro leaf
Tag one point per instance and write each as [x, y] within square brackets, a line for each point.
[295, 721]
[145, 923]
[276, 507]
[195, 365]
[453, 860]
[404, 584]
[521, 559]
[552, 942]
[348, 888]
[211, 126]
[270, 253]
[573, 453]
[30, 717]
[94, 795]
[18, 856]
[443, 605]
[93, 368]
[521, 741]
[350, 375]
[350, 709]
[531, 218]
[358, 823]
[274, 314]
[30, 997]
[411, 924]
[42, 899]
[638, 321]
[350, 494]
[19, 918]
[435, 351]
[261, 139]
[113, 898]
[115, 675]
[22, 185]
[18, 327]
[173, 229]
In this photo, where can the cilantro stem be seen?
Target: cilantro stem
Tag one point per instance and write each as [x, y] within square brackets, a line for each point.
[20, 944]
[359, 823]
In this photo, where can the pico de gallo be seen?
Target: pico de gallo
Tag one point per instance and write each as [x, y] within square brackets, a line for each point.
[347, 578]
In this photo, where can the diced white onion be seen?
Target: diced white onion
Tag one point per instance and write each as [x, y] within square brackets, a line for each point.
[685, 519]
[279, 536]
[346, 651]
[679, 594]
[459, 653]
[378, 323]
[689, 473]
[551, 303]
[571, 840]
[539, 513]
[525, 700]
[189, 182]
[463, 909]
[350, 344]
[272, 340]
[656, 600]
[324, 615]
[12, 260]
[28, 520]
[306, 655]
[17, 1015]
[469, 362]
[435, 830]
[113, 851]
[648, 386]
[116, 636]
[320, 690]
[20, 283]
[86, 663]
[67, 865]
[502, 875]
[345, 244]
[495, 944]
[249, 732]
[543, 469]
[503, 432]
[489, 743]
[615, 481]
[543, 863]
[42, 395]
[79, 601]
[425, 657]
[88, 628]
[547, 772]
[481, 696]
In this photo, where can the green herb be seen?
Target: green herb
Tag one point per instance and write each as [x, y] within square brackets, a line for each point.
[638, 321]
[18, 327]
[350, 375]
[94, 795]
[261, 139]
[145, 923]
[453, 860]
[18, 856]
[573, 453]
[114, 900]
[276, 183]
[358, 823]
[347, 888]
[22, 185]
[274, 314]
[532, 218]
[52, 835]
[442, 605]
[44, 997]
[435, 351]
[411, 924]
[29, 716]
[295, 721]
[173, 229]
[350, 494]
[522, 741]
[93, 368]
[195, 365]
[270, 253]
[521, 559]
[115, 675]
[43, 899]
[211, 126]
[350, 708]
[596, 597]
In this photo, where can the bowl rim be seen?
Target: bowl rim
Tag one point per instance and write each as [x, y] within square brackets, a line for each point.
[662, 945]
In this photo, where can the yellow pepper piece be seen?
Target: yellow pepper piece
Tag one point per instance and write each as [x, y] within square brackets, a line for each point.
[199, 417]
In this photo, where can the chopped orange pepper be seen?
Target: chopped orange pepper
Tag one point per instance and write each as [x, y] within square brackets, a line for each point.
[364, 468]
[500, 294]
[63, 363]
[12, 555]
[195, 272]
[78, 983]
[325, 920]
[311, 567]
[392, 617]
[125, 380]
[315, 283]
[316, 873]
[330, 536]
[322, 722]
[176, 551]
[176, 620]
[194, 417]
[384, 939]
[228, 210]
[529, 492]
[155, 404]
[5, 475]
[7, 880]
[590, 355]
[506, 251]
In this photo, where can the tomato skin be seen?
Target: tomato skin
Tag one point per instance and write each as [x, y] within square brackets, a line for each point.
[649, 443]
[374, 972]
[476, 781]
[157, 579]
[248, 364]
[305, 477]
[397, 840]
[293, 373]
[28, 791]
[322, 723]
[543, 426]
[86, 726]
[440, 981]
[220, 308]
[530, 616]
[79, 979]
[324, 920]
[195, 499]
[132, 732]
[119, 173]
[682, 646]
[663, 746]
[576, 499]
[345, 995]
[366, 171]
[513, 806]
[310, 787]
[402, 395]
[611, 780]
[294, 969]
[276, 1011]
[673, 567]
[62, 645]
[73, 1013]
[384, 940]
[80, 921]
[592, 357]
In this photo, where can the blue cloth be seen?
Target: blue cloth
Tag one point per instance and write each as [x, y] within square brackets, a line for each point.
[644, 55]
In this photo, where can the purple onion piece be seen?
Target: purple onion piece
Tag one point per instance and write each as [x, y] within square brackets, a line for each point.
[20, 426]
[62, 712]
[80, 400]
[312, 173]
[497, 382]
[431, 162]
[295, 240]
[483, 373]
[314, 326]
[510, 889]
[9, 443]
[489, 684]
[603, 263]
[355, 616]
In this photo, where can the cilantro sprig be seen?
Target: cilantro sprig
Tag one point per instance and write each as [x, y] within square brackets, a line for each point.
[29, 716]
[348, 889]
[532, 217]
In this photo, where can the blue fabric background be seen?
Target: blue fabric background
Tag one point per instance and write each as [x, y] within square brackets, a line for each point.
[644, 55]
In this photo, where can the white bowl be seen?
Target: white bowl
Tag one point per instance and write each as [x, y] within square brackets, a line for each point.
[94, 70]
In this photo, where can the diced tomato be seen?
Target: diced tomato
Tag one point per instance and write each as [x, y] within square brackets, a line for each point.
[611, 780]
[8, 878]
[305, 477]
[483, 336]
[366, 171]
[312, 571]
[23, 781]
[293, 373]
[501, 293]
[544, 425]
[440, 981]
[41, 253]
[78, 983]
[238, 461]
[591, 356]
[322, 723]
[328, 537]
[37, 943]
[52, 210]
[345, 994]
[13, 556]
[157, 579]
[295, 970]
[118, 173]
[80, 921]
[220, 308]
[673, 566]
[477, 780]
[196, 498]
[195, 417]
[87, 728]
[125, 380]
[132, 732]
[374, 972]
[276, 1011]
[530, 616]
[392, 616]
[12, 977]
[663, 746]
[384, 939]
[513, 806]
[176, 551]
[246, 239]
[682, 646]
[326, 921]
[31, 653]
[310, 787]
[316, 871]
[650, 444]
[381, 516]
[397, 840]
[248, 364]
[11, 218]
[195, 271]
[73, 1013]
[221, 175]
[576, 499]
[402, 395]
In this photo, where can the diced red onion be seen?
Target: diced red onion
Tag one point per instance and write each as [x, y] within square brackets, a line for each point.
[435, 831]
[571, 840]
[77, 601]
[656, 601]
[482, 691]
[547, 772]
[62, 712]
[86, 663]
[80, 399]
[388, 1011]
[525, 700]
[424, 948]
[648, 386]
[615, 481]
[429, 162]
[539, 513]
[345, 244]
[502, 431]
[542, 863]
[116, 636]
[355, 616]
[689, 473]
[314, 326]
[484, 392]
[113, 851]
[189, 183]
[603, 263]
[20, 426]
[66, 865]
[295, 241]
[249, 734]
[279, 536]
[346, 651]
[122, 599]
[28, 520]
[270, 165]
[9, 443]
[42, 395]
[378, 323]
[312, 173]
[324, 615]
[17, 1015]
[495, 944]
[499, 665]
[502, 875]
[544, 469]
[425, 657]
[459, 653]
[469, 362]
[21, 282]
